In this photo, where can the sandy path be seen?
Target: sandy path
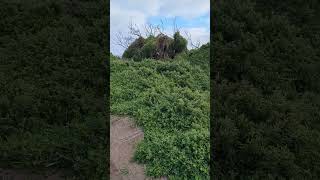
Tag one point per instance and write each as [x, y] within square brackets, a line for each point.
[124, 137]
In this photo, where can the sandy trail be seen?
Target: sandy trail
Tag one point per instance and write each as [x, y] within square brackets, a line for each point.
[124, 136]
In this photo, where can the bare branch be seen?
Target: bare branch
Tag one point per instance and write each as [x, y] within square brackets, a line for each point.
[161, 27]
[123, 41]
[158, 29]
[195, 45]
[176, 28]
[174, 25]
[133, 29]
[150, 29]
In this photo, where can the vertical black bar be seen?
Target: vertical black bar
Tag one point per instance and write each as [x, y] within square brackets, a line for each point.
[107, 97]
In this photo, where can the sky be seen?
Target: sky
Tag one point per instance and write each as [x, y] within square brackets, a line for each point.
[192, 16]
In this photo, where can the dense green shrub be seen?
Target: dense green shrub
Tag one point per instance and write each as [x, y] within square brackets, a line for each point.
[134, 50]
[179, 43]
[200, 57]
[266, 100]
[149, 48]
[52, 85]
[159, 47]
[170, 101]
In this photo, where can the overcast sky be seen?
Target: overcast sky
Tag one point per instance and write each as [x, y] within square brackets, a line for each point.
[192, 16]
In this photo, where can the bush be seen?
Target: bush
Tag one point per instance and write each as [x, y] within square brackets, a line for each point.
[134, 50]
[179, 43]
[160, 47]
[266, 100]
[52, 86]
[149, 48]
[170, 101]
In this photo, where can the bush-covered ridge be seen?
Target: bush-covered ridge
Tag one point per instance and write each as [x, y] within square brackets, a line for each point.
[170, 101]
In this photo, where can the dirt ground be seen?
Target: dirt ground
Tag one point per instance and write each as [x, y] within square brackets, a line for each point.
[124, 136]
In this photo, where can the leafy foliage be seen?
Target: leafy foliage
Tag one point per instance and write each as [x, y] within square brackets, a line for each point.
[179, 43]
[134, 50]
[52, 85]
[149, 48]
[266, 99]
[170, 101]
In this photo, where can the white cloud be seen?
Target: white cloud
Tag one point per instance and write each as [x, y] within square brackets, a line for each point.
[138, 11]
[185, 8]
[166, 8]
[148, 7]
[119, 21]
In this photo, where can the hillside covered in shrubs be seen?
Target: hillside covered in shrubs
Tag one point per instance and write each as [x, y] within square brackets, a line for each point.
[170, 101]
